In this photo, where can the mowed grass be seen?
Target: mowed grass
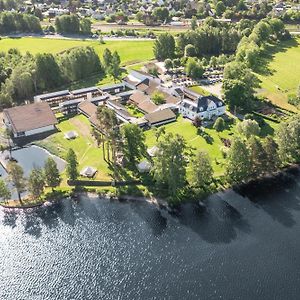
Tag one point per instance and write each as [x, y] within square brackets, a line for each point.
[280, 72]
[88, 154]
[130, 51]
[209, 142]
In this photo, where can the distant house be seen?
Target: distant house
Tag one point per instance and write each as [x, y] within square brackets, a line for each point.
[205, 107]
[30, 119]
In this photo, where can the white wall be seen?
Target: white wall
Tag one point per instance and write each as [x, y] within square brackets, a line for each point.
[37, 131]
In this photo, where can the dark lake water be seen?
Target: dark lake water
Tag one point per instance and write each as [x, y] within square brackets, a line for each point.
[98, 249]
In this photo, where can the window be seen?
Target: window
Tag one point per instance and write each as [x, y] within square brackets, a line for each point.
[21, 133]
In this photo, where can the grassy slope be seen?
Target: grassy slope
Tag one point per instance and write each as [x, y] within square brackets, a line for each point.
[280, 74]
[129, 51]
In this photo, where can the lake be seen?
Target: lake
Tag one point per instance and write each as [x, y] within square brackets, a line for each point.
[236, 248]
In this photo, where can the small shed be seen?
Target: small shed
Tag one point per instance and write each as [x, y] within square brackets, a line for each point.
[152, 151]
[70, 135]
[88, 172]
[144, 166]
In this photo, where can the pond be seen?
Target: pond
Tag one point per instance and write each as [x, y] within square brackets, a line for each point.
[32, 156]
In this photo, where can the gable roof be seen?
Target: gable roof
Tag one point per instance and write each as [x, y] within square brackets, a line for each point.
[88, 108]
[138, 97]
[30, 116]
[160, 116]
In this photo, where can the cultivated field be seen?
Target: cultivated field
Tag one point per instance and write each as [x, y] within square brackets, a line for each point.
[131, 52]
[280, 72]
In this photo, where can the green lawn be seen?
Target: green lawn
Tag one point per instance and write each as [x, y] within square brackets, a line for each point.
[280, 72]
[200, 90]
[129, 51]
[88, 154]
[209, 142]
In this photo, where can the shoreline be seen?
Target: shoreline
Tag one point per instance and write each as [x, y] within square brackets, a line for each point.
[252, 188]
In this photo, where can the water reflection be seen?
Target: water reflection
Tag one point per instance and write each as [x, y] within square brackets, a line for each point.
[237, 247]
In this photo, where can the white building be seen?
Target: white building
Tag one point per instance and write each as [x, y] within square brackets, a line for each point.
[205, 107]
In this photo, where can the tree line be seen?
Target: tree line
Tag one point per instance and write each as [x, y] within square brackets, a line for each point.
[71, 24]
[11, 22]
[22, 76]
[239, 82]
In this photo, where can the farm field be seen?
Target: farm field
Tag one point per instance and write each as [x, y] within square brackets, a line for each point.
[131, 52]
[280, 72]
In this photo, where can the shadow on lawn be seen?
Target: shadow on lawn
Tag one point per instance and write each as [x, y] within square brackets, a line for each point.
[262, 67]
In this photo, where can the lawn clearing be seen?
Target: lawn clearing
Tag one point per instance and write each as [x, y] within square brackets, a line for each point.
[88, 154]
[210, 141]
[280, 74]
[130, 51]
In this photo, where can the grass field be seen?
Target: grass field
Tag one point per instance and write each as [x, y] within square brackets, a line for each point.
[130, 51]
[280, 72]
[88, 154]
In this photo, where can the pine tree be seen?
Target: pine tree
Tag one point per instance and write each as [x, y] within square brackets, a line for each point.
[52, 176]
[72, 164]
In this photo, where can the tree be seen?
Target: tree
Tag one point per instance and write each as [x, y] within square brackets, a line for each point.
[161, 13]
[164, 46]
[258, 157]
[189, 50]
[170, 164]
[107, 58]
[72, 165]
[238, 162]
[271, 150]
[47, 70]
[219, 124]
[115, 69]
[288, 139]
[202, 171]
[248, 128]
[239, 85]
[52, 176]
[134, 142]
[5, 193]
[220, 8]
[194, 23]
[158, 98]
[107, 124]
[36, 182]
[197, 122]
[194, 69]
[168, 64]
[16, 177]
[160, 131]
[80, 62]
[85, 26]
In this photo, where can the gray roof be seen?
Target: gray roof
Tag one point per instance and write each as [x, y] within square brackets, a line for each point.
[85, 90]
[54, 95]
